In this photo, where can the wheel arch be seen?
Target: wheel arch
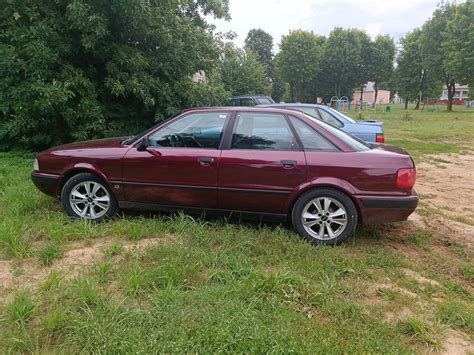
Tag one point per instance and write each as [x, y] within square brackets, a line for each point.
[325, 185]
[78, 169]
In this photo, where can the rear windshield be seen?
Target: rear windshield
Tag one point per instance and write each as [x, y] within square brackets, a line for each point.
[340, 115]
[355, 143]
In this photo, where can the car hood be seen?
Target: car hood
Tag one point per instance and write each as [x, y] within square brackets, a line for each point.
[97, 143]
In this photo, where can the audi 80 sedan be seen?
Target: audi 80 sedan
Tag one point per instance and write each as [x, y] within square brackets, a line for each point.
[368, 130]
[256, 160]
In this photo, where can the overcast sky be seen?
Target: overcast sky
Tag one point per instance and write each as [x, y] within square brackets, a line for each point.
[278, 17]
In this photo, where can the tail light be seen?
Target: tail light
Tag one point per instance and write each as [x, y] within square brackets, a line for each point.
[379, 138]
[406, 178]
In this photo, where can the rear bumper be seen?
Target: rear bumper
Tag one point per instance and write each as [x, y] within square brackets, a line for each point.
[384, 209]
[46, 183]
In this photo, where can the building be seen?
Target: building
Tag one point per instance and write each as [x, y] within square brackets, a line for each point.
[200, 77]
[461, 93]
[368, 95]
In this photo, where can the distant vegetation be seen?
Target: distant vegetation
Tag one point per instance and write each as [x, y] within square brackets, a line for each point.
[74, 70]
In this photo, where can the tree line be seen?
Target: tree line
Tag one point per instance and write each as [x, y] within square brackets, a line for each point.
[79, 69]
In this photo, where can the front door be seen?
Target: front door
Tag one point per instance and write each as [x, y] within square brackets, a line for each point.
[179, 168]
[263, 165]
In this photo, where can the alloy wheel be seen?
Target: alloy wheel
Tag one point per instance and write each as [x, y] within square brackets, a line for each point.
[324, 218]
[89, 199]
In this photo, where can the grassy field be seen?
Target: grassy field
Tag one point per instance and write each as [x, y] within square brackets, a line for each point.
[172, 283]
[426, 132]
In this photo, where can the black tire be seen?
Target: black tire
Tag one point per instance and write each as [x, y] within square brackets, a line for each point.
[339, 201]
[93, 204]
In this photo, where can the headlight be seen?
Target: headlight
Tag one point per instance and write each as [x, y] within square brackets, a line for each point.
[36, 165]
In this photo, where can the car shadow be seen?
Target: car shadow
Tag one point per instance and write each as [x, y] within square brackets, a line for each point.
[234, 218]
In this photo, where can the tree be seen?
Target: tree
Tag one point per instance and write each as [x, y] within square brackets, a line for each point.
[298, 63]
[436, 52]
[344, 61]
[382, 58]
[241, 72]
[72, 70]
[458, 44]
[261, 43]
[413, 79]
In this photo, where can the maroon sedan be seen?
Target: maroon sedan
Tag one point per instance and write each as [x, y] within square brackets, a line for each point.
[257, 160]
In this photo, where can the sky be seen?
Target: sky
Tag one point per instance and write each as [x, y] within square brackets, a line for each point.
[278, 17]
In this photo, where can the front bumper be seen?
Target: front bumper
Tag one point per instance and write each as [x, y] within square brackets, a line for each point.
[383, 209]
[46, 183]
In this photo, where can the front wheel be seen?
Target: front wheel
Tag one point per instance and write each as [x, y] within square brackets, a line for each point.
[324, 216]
[86, 196]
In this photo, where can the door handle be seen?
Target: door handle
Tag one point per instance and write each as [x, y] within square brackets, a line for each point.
[288, 164]
[205, 161]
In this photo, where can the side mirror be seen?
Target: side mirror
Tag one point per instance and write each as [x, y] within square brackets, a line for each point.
[143, 144]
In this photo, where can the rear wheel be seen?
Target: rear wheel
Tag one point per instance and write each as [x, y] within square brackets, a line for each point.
[86, 196]
[324, 216]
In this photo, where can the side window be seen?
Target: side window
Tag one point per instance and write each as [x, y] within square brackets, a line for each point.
[196, 130]
[246, 101]
[263, 101]
[330, 119]
[311, 139]
[308, 110]
[262, 131]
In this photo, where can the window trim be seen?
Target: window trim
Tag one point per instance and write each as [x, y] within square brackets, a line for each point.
[229, 114]
[297, 147]
[336, 149]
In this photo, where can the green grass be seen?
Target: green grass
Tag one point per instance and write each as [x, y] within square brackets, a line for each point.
[217, 285]
[48, 253]
[20, 309]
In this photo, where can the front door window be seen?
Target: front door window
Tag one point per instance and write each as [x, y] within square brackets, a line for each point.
[197, 130]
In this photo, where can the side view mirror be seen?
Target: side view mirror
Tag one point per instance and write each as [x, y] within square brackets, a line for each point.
[143, 144]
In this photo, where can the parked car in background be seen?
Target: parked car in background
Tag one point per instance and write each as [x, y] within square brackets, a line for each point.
[250, 160]
[250, 101]
[367, 130]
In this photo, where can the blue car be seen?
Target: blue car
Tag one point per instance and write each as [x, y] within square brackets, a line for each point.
[368, 130]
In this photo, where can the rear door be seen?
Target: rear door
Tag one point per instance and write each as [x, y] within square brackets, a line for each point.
[179, 168]
[261, 165]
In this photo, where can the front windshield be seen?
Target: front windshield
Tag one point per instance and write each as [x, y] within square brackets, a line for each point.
[341, 115]
[354, 142]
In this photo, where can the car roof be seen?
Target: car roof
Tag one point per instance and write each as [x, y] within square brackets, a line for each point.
[247, 96]
[242, 108]
[292, 104]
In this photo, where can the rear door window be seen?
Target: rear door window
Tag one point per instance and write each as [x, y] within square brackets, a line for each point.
[263, 131]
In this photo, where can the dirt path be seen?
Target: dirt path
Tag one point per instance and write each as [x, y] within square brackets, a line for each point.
[445, 184]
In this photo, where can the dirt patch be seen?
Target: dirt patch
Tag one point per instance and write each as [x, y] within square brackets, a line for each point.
[76, 260]
[401, 314]
[419, 278]
[444, 183]
[457, 343]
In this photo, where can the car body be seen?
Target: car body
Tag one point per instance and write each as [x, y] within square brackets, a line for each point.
[251, 160]
[367, 130]
[250, 100]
